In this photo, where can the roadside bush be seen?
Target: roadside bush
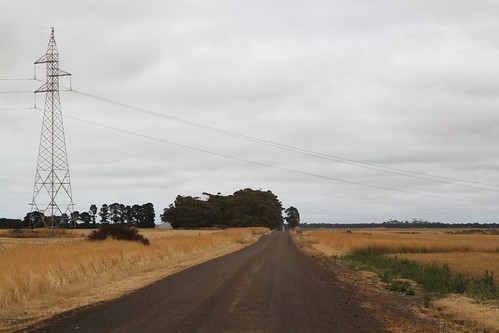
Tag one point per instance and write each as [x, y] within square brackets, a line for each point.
[117, 232]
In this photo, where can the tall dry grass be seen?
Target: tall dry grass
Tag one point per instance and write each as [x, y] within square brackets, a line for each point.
[389, 241]
[52, 275]
[474, 264]
[469, 254]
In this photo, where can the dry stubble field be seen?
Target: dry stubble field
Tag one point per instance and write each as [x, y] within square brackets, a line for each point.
[471, 254]
[40, 277]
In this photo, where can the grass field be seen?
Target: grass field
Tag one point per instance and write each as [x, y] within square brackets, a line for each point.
[470, 254]
[40, 277]
[443, 261]
[403, 241]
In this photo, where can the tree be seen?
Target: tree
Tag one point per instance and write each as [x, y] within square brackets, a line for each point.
[244, 208]
[65, 220]
[93, 213]
[104, 214]
[127, 215]
[85, 217]
[115, 213]
[254, 208]
[135, 214]
[292, 217]
[33, 219]
[12, 223]
[187, 212]
[147, 216]
[74, 217]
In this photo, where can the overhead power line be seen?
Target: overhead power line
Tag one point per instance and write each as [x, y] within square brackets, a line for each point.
[31, 79]
[337, 159]
[294, 171]
[17, 92]
[9, 109]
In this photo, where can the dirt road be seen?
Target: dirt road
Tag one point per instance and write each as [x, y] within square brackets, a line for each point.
[270, 286]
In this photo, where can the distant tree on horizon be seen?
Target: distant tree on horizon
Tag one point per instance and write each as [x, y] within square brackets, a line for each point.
[292, 217]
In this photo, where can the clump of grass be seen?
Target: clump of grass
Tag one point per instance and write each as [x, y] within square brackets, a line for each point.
[433, 278]
[118, 232]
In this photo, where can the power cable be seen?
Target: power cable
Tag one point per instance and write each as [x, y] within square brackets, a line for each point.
[9, 109]
[269, 165]
[337, 159]
[367, 165]
[17, 92]
[32, 79]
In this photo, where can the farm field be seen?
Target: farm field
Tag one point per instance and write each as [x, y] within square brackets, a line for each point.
[40, 277]
[472, 253]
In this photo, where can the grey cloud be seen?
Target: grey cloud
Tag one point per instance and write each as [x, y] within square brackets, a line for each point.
[406, 84]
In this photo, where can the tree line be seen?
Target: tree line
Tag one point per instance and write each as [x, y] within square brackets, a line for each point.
[396, 224]
[141, 216]
[243, 208]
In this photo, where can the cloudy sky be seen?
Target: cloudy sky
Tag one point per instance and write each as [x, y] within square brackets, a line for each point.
[351, 111]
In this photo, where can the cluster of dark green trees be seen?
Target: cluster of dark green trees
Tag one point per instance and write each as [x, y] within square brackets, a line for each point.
[11, 223]
[244, 208]
[141, 216]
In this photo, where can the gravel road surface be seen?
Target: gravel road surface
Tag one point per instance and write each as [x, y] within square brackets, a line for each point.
[270, 286]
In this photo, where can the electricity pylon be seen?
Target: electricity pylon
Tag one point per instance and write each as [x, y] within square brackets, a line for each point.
[52, 202]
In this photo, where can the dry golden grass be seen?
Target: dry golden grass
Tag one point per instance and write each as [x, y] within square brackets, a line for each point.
[43, 276]
[396, 241]
[471, 254]
[468, 263]
[479, 317]
[43, 233]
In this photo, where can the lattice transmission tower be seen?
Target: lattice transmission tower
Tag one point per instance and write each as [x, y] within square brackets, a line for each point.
[52, 202]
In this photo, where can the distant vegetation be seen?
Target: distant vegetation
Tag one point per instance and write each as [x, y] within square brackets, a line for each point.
[244, 208]
[435, 279]
[387, 253]
[415, 223]
[141, 216]
[11, 224]
[292, 217]
[118, 232]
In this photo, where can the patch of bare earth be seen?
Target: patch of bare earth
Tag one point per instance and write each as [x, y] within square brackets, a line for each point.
[399, 312]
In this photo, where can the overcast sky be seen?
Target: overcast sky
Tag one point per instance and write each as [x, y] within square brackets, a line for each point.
[409, 87]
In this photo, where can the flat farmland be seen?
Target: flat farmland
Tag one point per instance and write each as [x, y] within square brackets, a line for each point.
[40, 277]
[472, 254]
[342, 241]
